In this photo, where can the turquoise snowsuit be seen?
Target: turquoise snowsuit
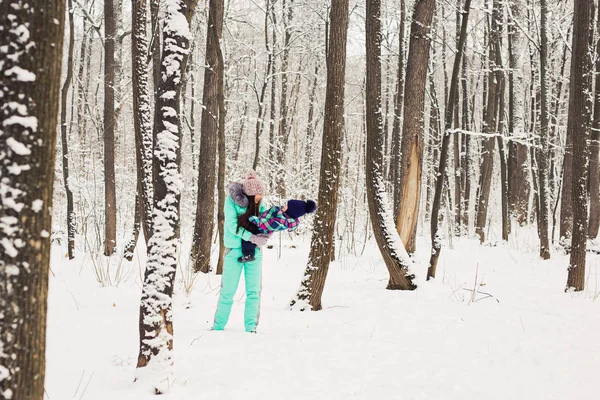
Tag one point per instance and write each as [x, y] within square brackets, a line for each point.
[232, 269]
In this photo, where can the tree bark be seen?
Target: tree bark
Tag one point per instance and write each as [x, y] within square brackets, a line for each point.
[64, 136]
[389, 243]
[207, 175]
[518, 187]
[489, 127]
[222, 150]
[411, 146]
[398, 102]
[310, 123]
[142, 114]
[283, 128]
[594, 182]
[110, 194]
[313, 282]
[439, 185]
[543, 165]
[31, 47]
[578, 129]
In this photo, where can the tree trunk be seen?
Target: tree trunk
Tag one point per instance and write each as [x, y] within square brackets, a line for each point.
[398, 102]
[518, 188]
[506, 227]
[156, 313]
[142, 114]
[487, 164]
[261, 99]
[110, 195]
[284, 131]
[594, 182]
[439, 185]
[388, 241]
[222, 150]
[542, 158]
[207, 175]
[31, 45]
[64, 136]
[578, 129]
[466, 148]
[310, 124]
[413, 126]
[313, 282]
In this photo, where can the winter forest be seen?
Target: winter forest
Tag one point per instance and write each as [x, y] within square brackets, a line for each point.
[451, 148]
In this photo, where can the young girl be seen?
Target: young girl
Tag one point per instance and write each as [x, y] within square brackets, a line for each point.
[276, 219]
[244, 201]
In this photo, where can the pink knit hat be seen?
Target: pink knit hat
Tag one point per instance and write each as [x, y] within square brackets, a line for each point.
[253, 185]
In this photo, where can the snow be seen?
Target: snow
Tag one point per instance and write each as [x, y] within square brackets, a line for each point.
[17, 147]
[20, 74]
[496, 324]
[26, 122]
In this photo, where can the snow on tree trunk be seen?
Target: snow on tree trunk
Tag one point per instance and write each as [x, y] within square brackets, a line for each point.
[543, 164]
[155, 358]
[31, 45]
[313, 282]
[389, 242]
[142, 112]
[398, 102]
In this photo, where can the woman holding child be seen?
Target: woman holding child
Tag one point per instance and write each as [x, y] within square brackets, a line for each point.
[248, 226]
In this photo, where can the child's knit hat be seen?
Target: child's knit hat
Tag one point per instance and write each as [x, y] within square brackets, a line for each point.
[253, 185]
[297, 208]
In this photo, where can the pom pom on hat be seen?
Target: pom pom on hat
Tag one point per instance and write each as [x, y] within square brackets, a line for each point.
[253, 185]
[297, 208]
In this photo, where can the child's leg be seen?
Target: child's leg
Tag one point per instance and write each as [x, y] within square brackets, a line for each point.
[248, 248]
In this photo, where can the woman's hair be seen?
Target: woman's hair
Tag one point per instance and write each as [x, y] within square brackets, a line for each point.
[244, 219]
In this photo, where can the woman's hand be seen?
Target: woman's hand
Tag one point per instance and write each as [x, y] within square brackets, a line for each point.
[260, 239]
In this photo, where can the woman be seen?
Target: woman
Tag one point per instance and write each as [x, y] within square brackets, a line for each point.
[244, 200]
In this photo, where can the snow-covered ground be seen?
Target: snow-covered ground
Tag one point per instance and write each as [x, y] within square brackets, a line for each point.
[519, 336]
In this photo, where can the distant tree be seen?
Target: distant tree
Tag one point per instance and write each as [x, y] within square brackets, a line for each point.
[64, 94]
[443, 161]
[542, 155]
[31, 50]
[142, 121]
[110, 190]
[490, 123]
